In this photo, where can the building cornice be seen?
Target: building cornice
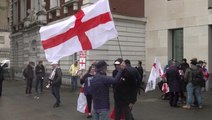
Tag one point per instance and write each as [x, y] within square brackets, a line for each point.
[141, 19]
[16, 34]
[115, 16]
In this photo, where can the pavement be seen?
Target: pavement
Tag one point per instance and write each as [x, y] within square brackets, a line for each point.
[15, 105]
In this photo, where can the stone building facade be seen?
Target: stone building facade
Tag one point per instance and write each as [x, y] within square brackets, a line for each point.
[4, 30]
[178, 29]
[25, 38]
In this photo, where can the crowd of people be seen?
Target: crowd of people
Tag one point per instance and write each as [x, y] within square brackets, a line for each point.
[184, 78]
[185, 85]
[126, 82]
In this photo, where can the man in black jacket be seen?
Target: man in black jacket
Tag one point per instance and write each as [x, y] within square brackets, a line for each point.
[125, 91]
[29, 75]
[55, 80]
[40, 73]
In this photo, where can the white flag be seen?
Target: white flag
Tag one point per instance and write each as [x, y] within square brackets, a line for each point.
[88, 29]
[156, 72]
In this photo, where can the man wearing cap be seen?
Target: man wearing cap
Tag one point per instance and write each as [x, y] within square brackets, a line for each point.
[125, 91]
[100, 85]
[40, 73]
[55, 80]
[116, 87]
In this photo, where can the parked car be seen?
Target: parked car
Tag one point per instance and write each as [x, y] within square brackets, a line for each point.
[5, 62]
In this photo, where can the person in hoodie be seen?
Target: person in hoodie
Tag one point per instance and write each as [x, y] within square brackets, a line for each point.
[191, 88]
[100, 85]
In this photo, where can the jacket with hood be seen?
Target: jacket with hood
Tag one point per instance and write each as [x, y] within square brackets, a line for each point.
[188, 73]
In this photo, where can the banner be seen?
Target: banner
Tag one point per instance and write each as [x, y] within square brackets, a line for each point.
[156, 72]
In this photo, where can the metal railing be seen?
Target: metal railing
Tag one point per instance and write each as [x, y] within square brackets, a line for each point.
[4, 28]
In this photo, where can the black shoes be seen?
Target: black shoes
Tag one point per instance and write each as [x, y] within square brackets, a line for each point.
[89, 116]
[56, 105]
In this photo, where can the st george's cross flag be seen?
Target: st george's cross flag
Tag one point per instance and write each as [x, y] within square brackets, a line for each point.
[88, 29]
[156, 72]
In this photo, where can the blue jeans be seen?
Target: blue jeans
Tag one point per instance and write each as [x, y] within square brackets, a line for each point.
[104, 115]
[196, 90]
[74, 83]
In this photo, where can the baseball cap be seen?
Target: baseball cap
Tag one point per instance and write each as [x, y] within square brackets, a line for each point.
[118, 61]
[101, 64]
[55, 62]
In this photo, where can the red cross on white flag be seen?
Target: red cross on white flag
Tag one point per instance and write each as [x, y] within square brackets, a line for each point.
[156, 72]
[88, 29]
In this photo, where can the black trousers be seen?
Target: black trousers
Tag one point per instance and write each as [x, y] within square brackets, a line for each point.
[173, 98]
[39, 81]
[56, 93]
[1, 82]
[28, 86]
[89, 102]
[119, 109]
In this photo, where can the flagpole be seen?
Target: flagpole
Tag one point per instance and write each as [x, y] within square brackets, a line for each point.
[120, 47]
[117, 37]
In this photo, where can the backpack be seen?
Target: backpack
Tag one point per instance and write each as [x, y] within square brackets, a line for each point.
[25, 74]
[87, 86]
[196, 77]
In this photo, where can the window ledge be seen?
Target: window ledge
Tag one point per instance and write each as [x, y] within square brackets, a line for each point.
[54, 9]
[70, 2]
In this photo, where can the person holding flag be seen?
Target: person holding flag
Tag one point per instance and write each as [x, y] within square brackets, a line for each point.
[55, 79]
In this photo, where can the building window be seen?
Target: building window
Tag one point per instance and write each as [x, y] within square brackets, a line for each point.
[36, 5]
[15, 13]
[54, 3]
[177, 44]
[2, 41]
[23, 9]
